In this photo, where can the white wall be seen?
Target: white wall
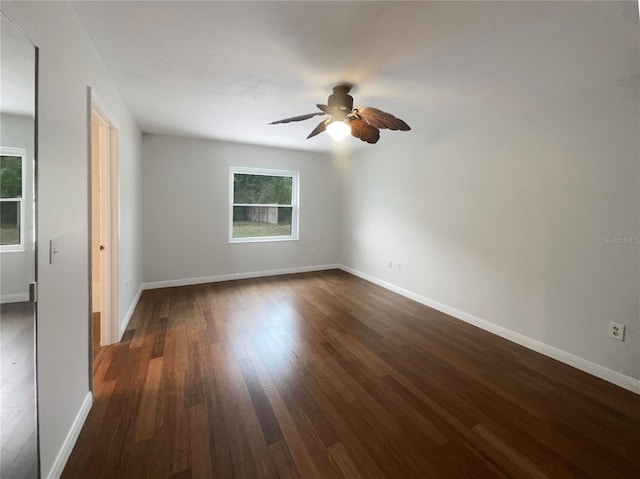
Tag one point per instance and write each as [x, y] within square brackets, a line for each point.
[186, 210]
[68, 65]
[509, 220]
[17, 268]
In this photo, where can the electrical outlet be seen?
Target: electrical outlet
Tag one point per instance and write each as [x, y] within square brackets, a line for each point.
[390, 264]
[616, 331]
[399, 267]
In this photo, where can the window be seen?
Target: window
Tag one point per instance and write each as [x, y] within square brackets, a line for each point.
[12, 164]
[263, 205]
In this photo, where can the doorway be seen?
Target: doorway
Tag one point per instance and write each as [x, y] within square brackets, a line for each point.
[103, 234]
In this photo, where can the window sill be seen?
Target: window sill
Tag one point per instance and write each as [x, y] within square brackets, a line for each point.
[21, 249]
[260, 240]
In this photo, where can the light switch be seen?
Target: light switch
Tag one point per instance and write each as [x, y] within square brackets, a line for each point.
[53, 250]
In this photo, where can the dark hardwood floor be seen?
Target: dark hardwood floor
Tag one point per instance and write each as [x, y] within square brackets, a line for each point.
[18, 445]
[323, 375]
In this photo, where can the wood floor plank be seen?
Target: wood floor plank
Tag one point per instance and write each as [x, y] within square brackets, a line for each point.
[524, 467]
[341, 459]
[324, 375]
[314, 445]
[229, 455]
[261, 404]
[283, 460]
[255, 437]
[146, 422]
[219, 442]
[199, 440]
[296, 446]
[348, 437]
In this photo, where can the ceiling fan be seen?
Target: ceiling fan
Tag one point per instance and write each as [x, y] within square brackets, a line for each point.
[363, 122]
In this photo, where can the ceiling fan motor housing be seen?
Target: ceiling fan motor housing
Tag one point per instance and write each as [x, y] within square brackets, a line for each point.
[341, 98]
[363, 123]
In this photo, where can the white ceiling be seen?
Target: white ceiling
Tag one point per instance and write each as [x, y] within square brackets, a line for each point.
[224, 70]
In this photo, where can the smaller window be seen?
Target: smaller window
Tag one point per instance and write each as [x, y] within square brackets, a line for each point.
[12, 164]
[263, 205]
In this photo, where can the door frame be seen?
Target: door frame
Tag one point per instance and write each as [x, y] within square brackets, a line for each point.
[109, 317]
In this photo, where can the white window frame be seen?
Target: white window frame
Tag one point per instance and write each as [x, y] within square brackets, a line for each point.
[295, 182]
[22, 153]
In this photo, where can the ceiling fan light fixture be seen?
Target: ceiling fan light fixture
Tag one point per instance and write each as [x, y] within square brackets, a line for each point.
[338, 130]
[362, 122]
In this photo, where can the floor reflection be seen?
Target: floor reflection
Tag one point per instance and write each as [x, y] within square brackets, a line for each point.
[18, 454]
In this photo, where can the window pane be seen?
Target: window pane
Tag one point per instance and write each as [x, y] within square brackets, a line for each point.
[261, 189]
[10, 177]
[254, 221]
[9, 222]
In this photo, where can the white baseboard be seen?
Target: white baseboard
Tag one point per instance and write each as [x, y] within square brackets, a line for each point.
[72, 436]
[14, 298]
[577, 362]
[233, 276]
[127, 317]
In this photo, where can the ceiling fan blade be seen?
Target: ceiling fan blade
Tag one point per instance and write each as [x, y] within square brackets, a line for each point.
[336, 113]
[361, 129]
[318, 129]
[297, 118]
[380, 119]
